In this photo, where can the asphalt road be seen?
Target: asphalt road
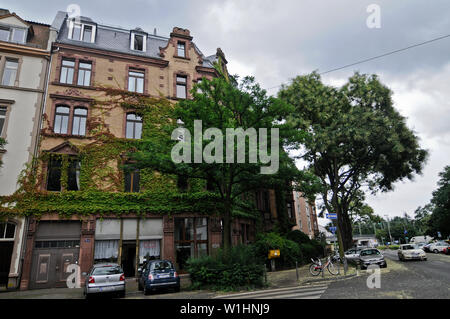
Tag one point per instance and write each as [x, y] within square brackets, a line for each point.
[428, 279]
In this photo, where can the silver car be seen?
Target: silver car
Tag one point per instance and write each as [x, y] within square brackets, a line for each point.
[371, 256]
[105, 278]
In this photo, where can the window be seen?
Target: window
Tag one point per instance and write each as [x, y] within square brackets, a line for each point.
[136, 81]
[79, 121]
[67, 71]
[182, 183]
[7, 230]
[61, 120]
[181, 87]
[191, 239]
[3, 110]
[181, 52]
[138, 42]
[133, 126]
[4, 34]
[16, 35]
[84, 73]
[132, 178]
[10, 72]
[81, 32]
[54, 174]
[87, 33]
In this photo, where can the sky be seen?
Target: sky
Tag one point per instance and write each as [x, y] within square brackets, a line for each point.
[274, 41]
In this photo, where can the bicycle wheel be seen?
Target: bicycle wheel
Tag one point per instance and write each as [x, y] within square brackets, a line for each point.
[332, 269]
[314, 269]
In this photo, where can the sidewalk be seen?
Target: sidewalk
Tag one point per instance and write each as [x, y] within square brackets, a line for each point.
[277, 279]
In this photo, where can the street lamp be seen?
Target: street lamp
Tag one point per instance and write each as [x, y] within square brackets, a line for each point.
[389, 228]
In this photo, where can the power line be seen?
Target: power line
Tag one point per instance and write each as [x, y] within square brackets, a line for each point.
[379, 56]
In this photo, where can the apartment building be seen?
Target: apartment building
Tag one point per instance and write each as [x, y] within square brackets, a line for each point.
[24, 61]
[305, 215]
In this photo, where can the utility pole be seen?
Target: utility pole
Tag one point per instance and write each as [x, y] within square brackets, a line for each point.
[389, 227]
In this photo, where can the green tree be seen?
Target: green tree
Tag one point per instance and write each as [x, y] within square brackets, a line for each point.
[223, 104]
[439, 220]
[357, 139]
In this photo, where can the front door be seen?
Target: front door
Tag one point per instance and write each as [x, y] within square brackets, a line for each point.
[129, 259]
[50, 267]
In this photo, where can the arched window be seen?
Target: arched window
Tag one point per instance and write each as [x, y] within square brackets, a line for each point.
[61, 119]
[79, 121]
[134, 126]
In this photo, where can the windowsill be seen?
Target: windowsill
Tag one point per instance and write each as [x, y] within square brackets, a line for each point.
[74, 85]
[53, 134]
[181, 57]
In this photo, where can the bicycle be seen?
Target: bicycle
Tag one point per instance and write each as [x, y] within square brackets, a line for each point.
[317, 267]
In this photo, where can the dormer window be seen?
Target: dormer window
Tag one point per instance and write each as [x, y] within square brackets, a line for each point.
[138, 42]
[10, 34]
[82, 32]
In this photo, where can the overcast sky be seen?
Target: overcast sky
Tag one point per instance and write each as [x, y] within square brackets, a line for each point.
[277, 40]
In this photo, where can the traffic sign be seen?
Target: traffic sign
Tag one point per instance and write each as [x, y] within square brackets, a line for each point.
[332, 216]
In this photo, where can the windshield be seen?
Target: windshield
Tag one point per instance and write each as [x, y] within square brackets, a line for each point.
[161, 265]
[409, 247]
[370, 252]
[107, 270]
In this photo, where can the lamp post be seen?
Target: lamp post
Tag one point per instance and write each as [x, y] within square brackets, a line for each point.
[389, 228]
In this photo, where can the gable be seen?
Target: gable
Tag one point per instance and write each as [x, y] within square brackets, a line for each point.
[13, 20]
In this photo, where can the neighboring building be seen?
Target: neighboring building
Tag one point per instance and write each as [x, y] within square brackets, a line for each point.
[305, 216]
[86, 56]
[24, 60]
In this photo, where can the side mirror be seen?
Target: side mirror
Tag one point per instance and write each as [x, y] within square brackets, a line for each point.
[140, 270]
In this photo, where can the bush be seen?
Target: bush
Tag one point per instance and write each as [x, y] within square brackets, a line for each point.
[289, 250]
[237, 269]
[298, 236]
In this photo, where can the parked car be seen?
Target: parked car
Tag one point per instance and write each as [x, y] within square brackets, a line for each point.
[371, 256]
[105, 278]
[410, 251]
[158, 274]
[353, 254]
[446, 250]
[420, 245]
[438, 247]
[426, 247]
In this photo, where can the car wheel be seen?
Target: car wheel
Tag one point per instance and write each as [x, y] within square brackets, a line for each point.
[147, 291]
[436, 251]
[177, 288]
[122, 294]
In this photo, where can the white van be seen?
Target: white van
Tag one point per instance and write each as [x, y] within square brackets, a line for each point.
[420, 239]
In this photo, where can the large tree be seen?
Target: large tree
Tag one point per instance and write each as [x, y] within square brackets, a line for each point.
[357, 140]
[202, 152]
[439, 220]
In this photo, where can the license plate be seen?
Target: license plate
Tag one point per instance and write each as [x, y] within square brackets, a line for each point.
[164, 276]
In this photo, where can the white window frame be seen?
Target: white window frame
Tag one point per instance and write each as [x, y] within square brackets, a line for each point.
[144, 42]
[71, 27]
[12, 30]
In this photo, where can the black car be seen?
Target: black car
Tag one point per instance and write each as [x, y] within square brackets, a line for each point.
[158, 274]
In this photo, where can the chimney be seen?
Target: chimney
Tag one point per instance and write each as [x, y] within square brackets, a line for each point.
[154, 31]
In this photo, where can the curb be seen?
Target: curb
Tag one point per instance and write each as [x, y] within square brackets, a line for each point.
[330, 279]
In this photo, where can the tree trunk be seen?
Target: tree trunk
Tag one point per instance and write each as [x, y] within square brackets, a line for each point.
[227, 227]
[346, 229]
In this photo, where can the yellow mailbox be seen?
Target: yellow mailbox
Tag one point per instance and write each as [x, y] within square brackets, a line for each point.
[274, 253]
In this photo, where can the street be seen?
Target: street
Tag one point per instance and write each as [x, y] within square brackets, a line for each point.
[400, 280]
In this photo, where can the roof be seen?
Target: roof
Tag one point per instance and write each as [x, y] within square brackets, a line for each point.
[117, 39]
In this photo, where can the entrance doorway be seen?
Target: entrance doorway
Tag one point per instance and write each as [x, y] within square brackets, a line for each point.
[6, 249]
[129, 258]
